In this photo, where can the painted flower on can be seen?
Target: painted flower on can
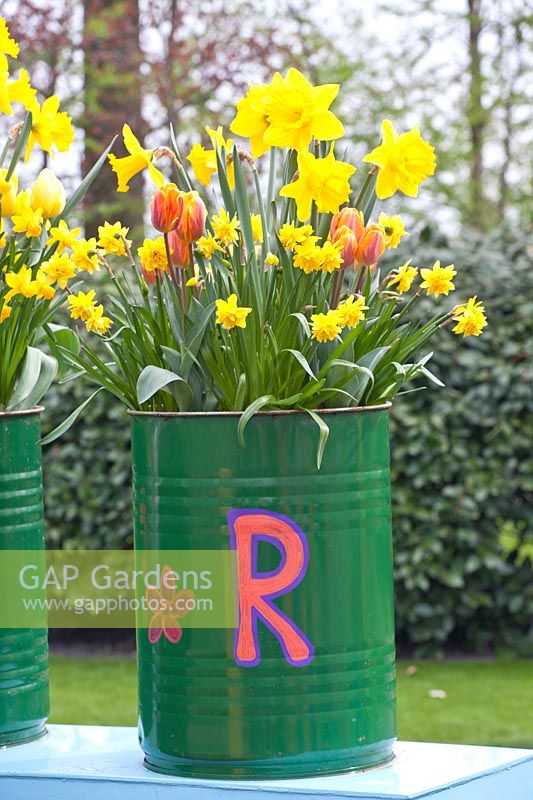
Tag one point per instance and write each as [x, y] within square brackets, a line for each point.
[171, 607]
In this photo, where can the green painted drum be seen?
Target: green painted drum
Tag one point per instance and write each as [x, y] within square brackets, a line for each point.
[306, 685]
[23, 652]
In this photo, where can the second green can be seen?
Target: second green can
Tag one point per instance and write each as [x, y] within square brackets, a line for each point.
[23, 651]
[306, 685]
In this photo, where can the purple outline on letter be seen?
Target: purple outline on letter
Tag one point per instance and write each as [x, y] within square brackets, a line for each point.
[233, 515]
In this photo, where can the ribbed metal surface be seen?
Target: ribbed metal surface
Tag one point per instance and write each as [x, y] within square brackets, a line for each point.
[23, 652]
[202, 714]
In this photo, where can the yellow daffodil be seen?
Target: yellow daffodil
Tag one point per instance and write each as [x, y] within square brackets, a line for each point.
[8, 46]
[393, 229]
[271, 259]
[207, 246]
[43, 285]
[331, 256]
[351, 311]
[85, 255]
[204, 162]
[50, 127]
[16, 91]
[196, 279]
[404, 277]
[25, 219]
[308, 255]
[251, 119]
[230, 315]
[201, 161]
[257, 228]
[438, 280]
[299, 112]
[290, 235]
[59, 269]
[470, 318]
[112, 238]
[48, 194]
[96, 322]
[8, 194]
[63, 236]
[20, 282]
[226, 230]
[325, 327]
[138, 159]
[404, 161]
[153, 255]
[82, 305]
[322, 180]
[290, 112]
[5, 312]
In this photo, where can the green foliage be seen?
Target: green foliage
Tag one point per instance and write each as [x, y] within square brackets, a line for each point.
[461, 467]
[87, 473]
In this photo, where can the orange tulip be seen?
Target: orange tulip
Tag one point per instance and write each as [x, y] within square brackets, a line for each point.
[371, 246]
[166, 207]
[179, 250]
[349, 218]
[191, 223]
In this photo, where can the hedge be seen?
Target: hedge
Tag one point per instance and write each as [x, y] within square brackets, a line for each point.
[462, 480]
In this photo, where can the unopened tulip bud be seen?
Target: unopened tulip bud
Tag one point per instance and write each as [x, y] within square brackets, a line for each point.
[179, 251]
[8, 194]
[371, 246]
[48, 194]
[191, 223]
[346, 218]
[165, 207]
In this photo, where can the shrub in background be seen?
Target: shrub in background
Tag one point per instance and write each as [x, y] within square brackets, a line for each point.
[462, 470]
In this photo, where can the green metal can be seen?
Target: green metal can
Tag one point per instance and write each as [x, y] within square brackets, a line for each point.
[306, 684]
[23, 652]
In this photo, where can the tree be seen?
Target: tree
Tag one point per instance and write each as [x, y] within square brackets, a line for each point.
[461, 71]
[112, 98]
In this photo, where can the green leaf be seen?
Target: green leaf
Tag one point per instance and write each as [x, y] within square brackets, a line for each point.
[240, 393]
[60, 339]
[433, 378]
[20, 145]
[152, 379]
[64, 337]
[184, 395]
[243, 204]
[323, 435]
[301, 359]
[38, 372]
[172, 357]
[69, 421]
[303, 322]
[248, 413]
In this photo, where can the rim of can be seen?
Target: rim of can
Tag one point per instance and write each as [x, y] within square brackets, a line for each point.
[25, 412]
[274, 413]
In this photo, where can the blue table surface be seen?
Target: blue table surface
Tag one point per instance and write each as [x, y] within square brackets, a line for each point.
[105, 762]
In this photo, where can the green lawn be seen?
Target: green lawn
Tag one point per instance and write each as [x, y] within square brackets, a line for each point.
[487, 702]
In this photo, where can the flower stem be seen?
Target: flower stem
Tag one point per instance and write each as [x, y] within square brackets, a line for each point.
[337, 286]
